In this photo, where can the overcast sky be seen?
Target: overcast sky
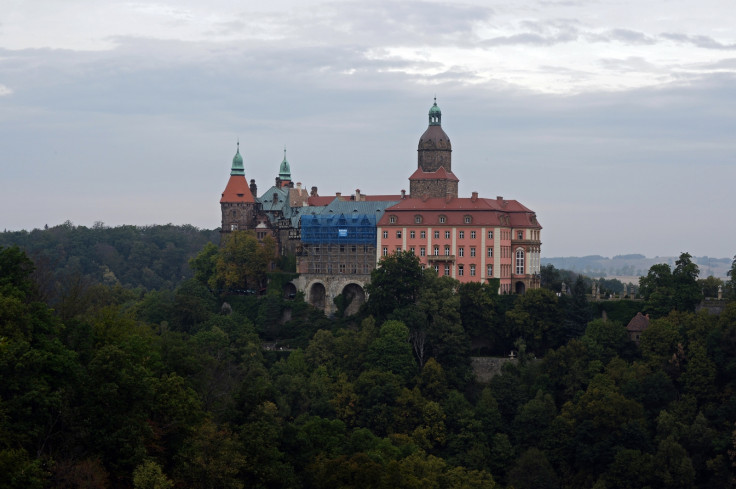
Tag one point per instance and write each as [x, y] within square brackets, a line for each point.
[614, 120]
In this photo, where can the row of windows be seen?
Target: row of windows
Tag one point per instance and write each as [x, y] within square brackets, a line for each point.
[461, 270]
[442, 219]
[423, 251]
[423, 234]
[316, 267]
[341, 248]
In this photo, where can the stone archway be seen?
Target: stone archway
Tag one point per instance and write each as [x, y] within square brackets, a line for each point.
[289, 291]
[520, 288]
[354, 296]
[317, 295]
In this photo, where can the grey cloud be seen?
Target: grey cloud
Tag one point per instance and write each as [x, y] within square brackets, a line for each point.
[630, 64]
[704, 42]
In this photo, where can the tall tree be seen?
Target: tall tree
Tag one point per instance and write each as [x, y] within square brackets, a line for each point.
[395, 284]
[243, 262]
[687, 293]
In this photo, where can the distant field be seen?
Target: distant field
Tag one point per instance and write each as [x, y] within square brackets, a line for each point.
[628, 268]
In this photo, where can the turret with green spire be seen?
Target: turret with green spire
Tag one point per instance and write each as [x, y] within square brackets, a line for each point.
[237, 168]
[435, 114]
[285, 170]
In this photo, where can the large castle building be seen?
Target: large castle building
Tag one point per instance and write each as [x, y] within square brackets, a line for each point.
[338, 240]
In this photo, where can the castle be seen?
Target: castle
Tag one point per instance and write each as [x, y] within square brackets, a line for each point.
[338, 240]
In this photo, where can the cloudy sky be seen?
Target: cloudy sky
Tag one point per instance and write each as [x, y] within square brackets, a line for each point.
[614, 120]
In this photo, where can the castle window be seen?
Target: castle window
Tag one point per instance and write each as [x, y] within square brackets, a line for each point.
[412, 234]
[392, 219]
[472, 270]
[447, 234]
[436, 251]
[422, 251]
[490, 234]
[520, 234]
[436, 235]
[472, 234]
[472, 251]
[342, 268]
[418, 219]
[385, 234]
[234, 213]
[490, 252]
[398, 234]
[436, 269]
[447, 269]
[489, 270]
[460, 270]
[468, 220]
[412, 250]
[447, 251]
[233, 227]
[442, 219]
[461, 252]
[423, 234]
[385, 251]
[520, 261]
[461, 234]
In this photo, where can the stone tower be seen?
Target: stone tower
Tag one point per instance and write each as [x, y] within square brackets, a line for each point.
[434, 177]
[237, 203]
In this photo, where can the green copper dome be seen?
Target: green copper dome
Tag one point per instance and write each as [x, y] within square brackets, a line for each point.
[237, 168]
[285, 169]
[435, 114]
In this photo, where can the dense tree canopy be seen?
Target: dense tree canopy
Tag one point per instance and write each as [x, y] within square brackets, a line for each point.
[181, 387]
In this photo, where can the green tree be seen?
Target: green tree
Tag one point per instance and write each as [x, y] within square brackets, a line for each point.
[391, 351]
[731, 283]
[395, 284]
[149, 475]
[243, 262]
[657, 289]
[687, 293]
[537, 319]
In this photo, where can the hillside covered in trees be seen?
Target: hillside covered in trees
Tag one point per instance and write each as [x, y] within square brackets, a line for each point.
[172, 387]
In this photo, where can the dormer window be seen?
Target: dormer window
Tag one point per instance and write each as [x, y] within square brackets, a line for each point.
[442, 219]
[468, 220]
[392, 219]
[418, 219]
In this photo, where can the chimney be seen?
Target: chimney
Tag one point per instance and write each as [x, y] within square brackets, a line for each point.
[299, 185]
[498, 197]
[338, 195]
[357, 195]
[403, 193]
[474, 197]
[314, 192]
[253, 187]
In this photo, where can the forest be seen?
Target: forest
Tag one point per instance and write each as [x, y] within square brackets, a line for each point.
[185, 383]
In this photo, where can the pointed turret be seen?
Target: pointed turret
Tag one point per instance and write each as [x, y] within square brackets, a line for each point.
[237, 203]
[285, 172]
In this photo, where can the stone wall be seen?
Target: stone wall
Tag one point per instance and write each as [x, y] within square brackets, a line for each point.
[485, 368]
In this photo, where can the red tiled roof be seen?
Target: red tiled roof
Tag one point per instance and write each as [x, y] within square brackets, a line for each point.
[440, 174]
[316, 200]
[638, 323]
[237, 190]
[483, 212]
[379, 198]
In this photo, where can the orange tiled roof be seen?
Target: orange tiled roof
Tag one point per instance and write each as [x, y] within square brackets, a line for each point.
[237, 190]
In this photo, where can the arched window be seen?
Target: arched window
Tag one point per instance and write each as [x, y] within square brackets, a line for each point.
[520, 261]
